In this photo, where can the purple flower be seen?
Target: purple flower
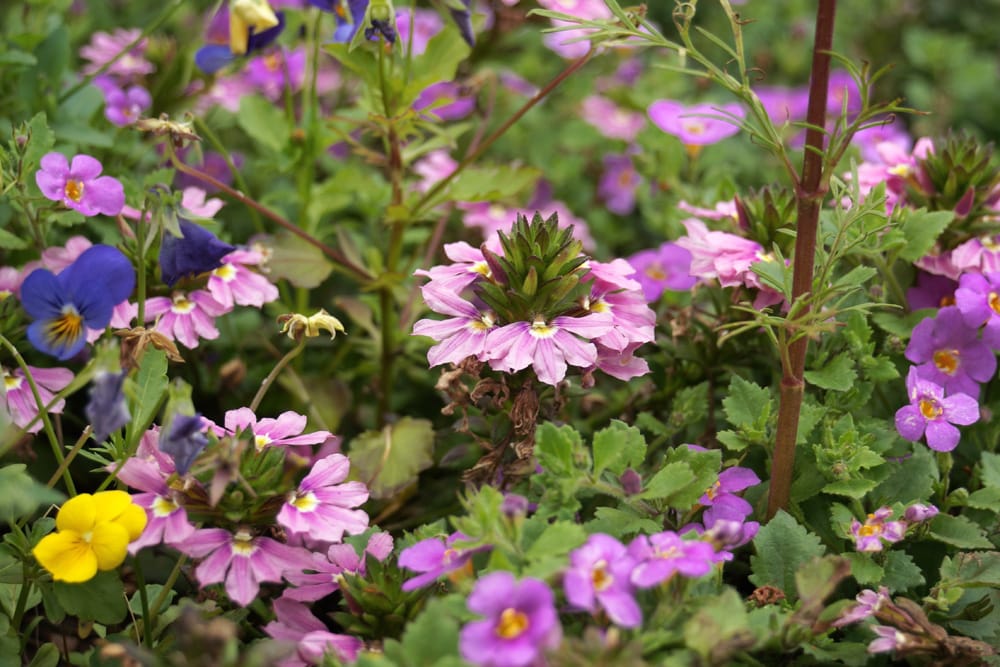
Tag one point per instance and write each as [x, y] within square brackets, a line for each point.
[321, 506]
[425, 23]
[918, 513]
[599, 575]
[868, 536]
[460, 336]
[124, 107]
[666, 267]
[618, 184]
[105, 47]
[432, 558]
[184, 440]
[196, 251]
[731, 481]
[841, 87]
[889, 639]
[868, 602]
[520, 625]
[978, 299]
[783, 104]
[931, 291]
[107, 408]
[949, 353]
[447, 100]
[610, 119]
[698, 125]
[932, 413]
[79, 185]
[285, 431]
[294, 623]
[662, 555]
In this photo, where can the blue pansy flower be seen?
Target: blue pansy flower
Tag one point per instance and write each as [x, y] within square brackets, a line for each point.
[184, 440]
[213, 57]
[82, 297]
[197, 251]
[107, 408]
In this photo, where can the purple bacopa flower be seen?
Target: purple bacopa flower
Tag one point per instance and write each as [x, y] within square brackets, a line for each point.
[949, 353]
[918, 513]
[599, 576]
[184, 440]
[665, 268]
[697, 125]
[448, 100]
[123, 107]
[889, 639]
[196, 251]
[978, 299]
[107, 408]
[618, 184]
[930, 412]
[662, 555]
[931, 291]
[731, 481]
[321, 506]
[868, 602]
[432, 558]
[520, 622]
[868, 536]
[610, 119]
[79, 185]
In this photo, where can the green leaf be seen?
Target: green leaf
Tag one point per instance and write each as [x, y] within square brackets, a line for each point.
[438, 62]
[491, 183]
[782, 546]
[985, 499]
[815, 582]
[668, 480]
[746, 402]
[391, 459]
[555, 447]
[22, 495]
[958, 532]
[921, 228]
[990, 466]
[10, 241]
[719, 628]
[47, 655]
[909, 480]
[865, 570]
[147, 392]
[102, 599]
[852, 488]
[975, 569]
[40, 140]
[618, 447]
[298, 261]
[433, 634]
[621, 523]
[557, 539]
[838, 374]
[901, 573]
[263, 122]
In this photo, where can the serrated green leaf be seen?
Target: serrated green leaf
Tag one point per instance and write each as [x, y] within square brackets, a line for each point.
[391, 459]
[865, 570]
[782, 546]
[985, 499]
[41, 140]
[989, 464]
[621, 523]
[900, 572]
[718, 621]
[438, 62]
[732, 440]
[433, 634]
[974, 569]
[492, 183]
[555, 446]
[909, 480]
[921, 228]
[852, 488]
[668, 480]
[746, 403]
[959, 532]
[618, 447]
[557, 539]
[838, 374]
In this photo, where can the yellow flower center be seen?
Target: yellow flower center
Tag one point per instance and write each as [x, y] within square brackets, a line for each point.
[900, 170]
[946, 361]
[74, 189]
[243, 544]
[656, 272]
[512, 623]
[261, 441]
[994, 301]
[868, 531]
[713, 490]
[163, 507]
[227, 272]
[539, 329]
[12, 382]
[272, 62]
[66, 328]
[600, 576]
[693, 127]
[989, 243]
[181, 305]
[482, 268]
[930, 408]
[306, 502]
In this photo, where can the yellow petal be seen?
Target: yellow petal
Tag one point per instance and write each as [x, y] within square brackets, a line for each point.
[110, 504]
[109, 542]
[67, 556]
[133, 520]
[79, 514]
[239, 33]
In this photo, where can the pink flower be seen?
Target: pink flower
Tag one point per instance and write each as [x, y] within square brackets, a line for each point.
[242, 561]
[613, 121]
[547, 346]
[79, 185]
[55, 258]
[234, 283]
[461, 335]
[186, 318]
[284, 431]
[425, 22]
[194, 204]
[103, 48]
[19, 401]
[665, 268]
[633, 322]
[327, 569]
[320, 507]
[295, 623]
[433, 167]
[868, 536]
[468, 266]
[697, 125]
[720, 255]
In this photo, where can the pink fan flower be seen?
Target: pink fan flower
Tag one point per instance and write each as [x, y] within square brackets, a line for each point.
[632, 319]
[613, 121]
[233, 282]
[104, 47]
[242, 561]
[433, 167]
[321, 506]
[186, 318]
[459, 336]
[432, 558]
[468, 266]
[621, 364]
[79, 185]
[720, 255]
[547, 346]
[285, 431]
[296, 624]
[19, 401]
[327, 569]
[697, 125]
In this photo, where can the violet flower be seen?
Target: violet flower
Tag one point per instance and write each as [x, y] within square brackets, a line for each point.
[79, 185]
[185, 317]
[124, 107]
[949, 353]
[659, 557]
[194, 252]
[919, 513]
[321, 505]
[462, 335]
[868, 536]
[619, 183]
[868, 602]
[665, 268]
[285, 431]
[521, 622]
[698, 125]
[432, 558]
[599, 576]
[932, 414]
[184, 440]
[107, 408]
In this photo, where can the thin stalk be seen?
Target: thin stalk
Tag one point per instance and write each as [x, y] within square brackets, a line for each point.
[204, 130]
[140, 273]
[61, 470]
[809, 196]
[22, 601]
[269, 380]
[168, 586]
[140, 582]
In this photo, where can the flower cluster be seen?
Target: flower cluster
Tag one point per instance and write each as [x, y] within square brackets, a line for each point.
[878, 530]
[122, 77]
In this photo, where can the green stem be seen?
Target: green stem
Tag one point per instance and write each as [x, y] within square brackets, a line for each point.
[140, 282]
[69, 457]
[168, 586]
[202, 127]
[269, 380]
[146, 32]
[49, 431]
[22, 602]
[140, 582]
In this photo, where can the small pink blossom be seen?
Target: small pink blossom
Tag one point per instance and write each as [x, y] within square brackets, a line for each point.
[19, 401]
[327, 569]
[233, 283]
[610, 119]
[285, 431]
[296, 624]
[321, 506]
[79, 185]
[869, 536]
[104, 47]
[186, 317]
[697, 125]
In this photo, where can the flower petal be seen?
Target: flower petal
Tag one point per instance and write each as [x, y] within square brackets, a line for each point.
[109, 542]
[78, 514]
[66, 556]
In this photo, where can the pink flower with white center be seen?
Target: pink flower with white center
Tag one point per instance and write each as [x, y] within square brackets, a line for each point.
[621, 364]
[721, 255]
[328, 569]
[459, 336]
[233, 282]
[166, 521]
[285, 431]
[186, 317]
[19, 401]
[868, 536]
[547, 346]
[433, 167]
[633, 320]
[297, 625]
[980, 255]
[468, 266]
[321, 507]
[613, 121]
[242, 561]
[104, 47]
[889, 639]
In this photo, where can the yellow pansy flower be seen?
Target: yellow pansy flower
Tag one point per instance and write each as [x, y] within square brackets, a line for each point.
[92, 533]
[245, 15]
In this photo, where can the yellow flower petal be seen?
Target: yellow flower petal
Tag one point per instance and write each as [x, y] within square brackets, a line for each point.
[67, 556]
[109, 543]
[110, 504]
[133, 520]
[79, 514]
[238, 34]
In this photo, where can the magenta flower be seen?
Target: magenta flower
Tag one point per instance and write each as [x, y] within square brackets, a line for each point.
[425, 24]
[547, 346]
[949, 353]
[233, 283]
[618, 184]
[296, 624]
[19, 401]
[123, 107]
[520, 625]
[462, 335]
[433, 167]
[659, 557]
[321, 506]
[599, 576]
[731, 481]
[889, 639]
[432, 558]
[868, 602]
[242, 561]
[931, 291]
[166, 520]
[783, 104]
[978, 299]
[698, 125]
[468, 266]
[632, 320]
[719, 255]
[186, 317]
[79, 185]
[918, 513]
[610, 119]
[285, 431]
[868, 536]
[978, 255]
[933, 414]
[275, 72]
[621, 364]
[665, 268]
[447, 100]
[327, 569]
[104, 47]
